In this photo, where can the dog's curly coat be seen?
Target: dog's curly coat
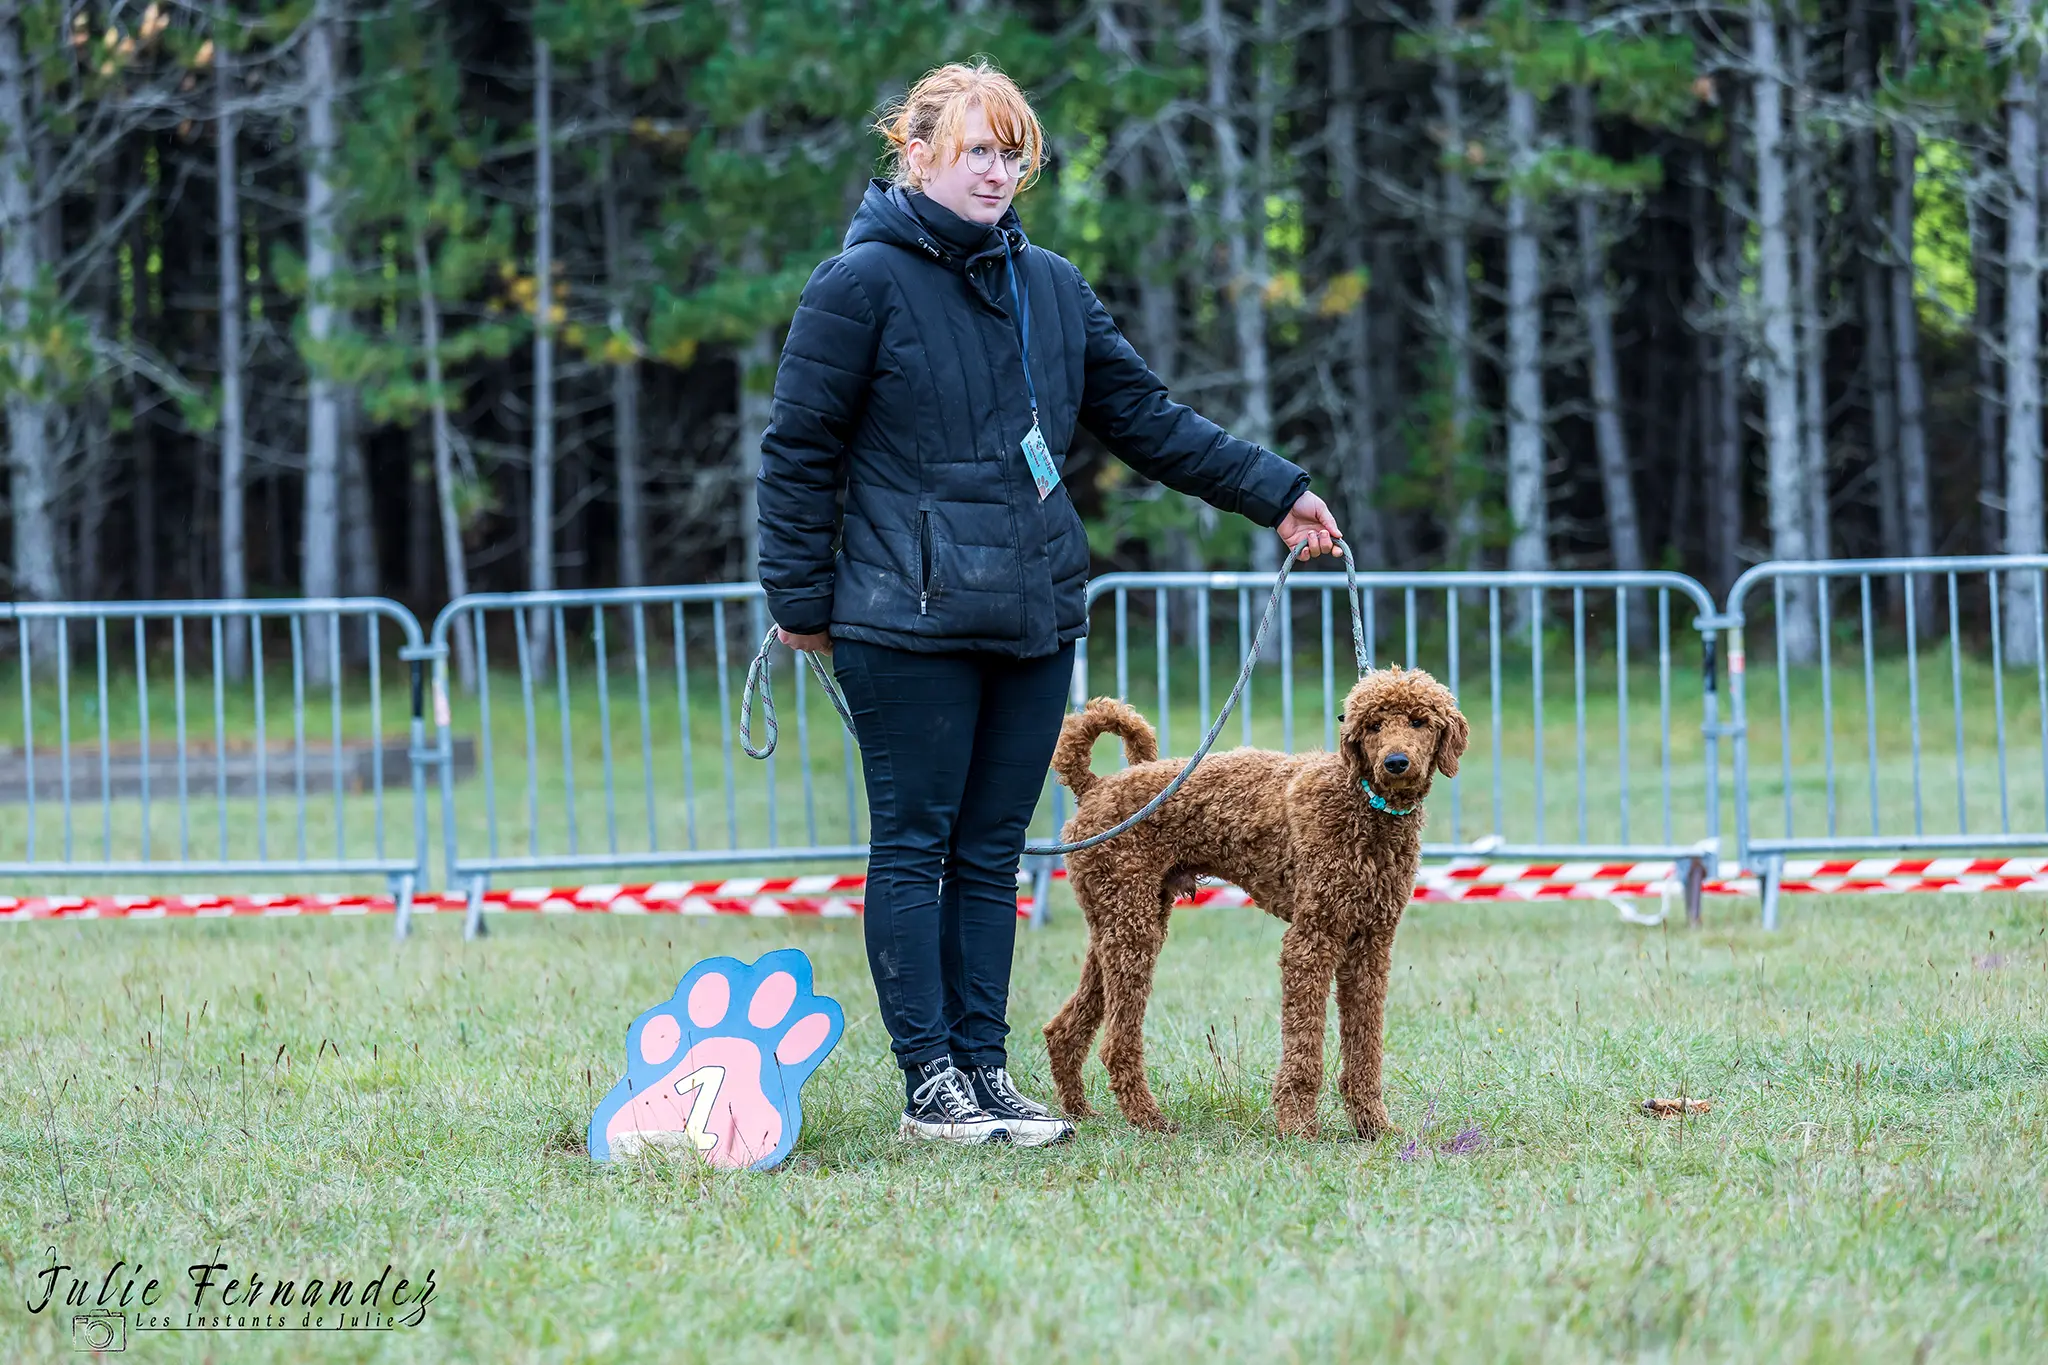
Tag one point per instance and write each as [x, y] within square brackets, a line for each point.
[1296, 831]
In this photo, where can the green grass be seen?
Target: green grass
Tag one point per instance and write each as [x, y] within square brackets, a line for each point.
[1871, 1184]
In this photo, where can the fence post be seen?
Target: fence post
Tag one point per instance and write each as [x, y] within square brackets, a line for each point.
[1693, 878]
[422, 756]
[473, 925]
[1738, 696]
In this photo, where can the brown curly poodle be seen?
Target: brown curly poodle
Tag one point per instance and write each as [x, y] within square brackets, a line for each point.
[1304, 835]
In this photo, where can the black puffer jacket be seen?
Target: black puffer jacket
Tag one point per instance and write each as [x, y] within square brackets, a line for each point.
[896, 506]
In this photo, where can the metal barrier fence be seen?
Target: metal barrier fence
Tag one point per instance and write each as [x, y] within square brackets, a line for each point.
[1866, 779]
[594, 732]
[1634, 778]
[614, 746]
[186, 739]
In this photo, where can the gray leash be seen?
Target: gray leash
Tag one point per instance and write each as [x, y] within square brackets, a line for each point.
[758, 680]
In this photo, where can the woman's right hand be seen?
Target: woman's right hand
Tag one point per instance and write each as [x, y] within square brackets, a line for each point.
[821, 643]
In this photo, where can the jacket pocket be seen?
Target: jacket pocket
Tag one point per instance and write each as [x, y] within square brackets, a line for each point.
[926, 561]
[1068, 551]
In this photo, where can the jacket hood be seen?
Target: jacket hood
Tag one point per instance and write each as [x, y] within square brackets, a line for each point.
[886, 215]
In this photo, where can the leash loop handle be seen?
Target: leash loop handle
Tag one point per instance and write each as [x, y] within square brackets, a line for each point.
[760, 681]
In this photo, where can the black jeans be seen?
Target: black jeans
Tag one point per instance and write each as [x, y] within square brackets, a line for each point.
[955, 749]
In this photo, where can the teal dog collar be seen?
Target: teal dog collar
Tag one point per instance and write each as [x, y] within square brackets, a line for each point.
[1378, 802]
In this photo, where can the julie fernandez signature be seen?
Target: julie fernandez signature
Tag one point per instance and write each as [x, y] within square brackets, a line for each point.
[225, 1296]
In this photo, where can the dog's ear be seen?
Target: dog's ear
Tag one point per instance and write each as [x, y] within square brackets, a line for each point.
[1348, 734]
[1451, 747]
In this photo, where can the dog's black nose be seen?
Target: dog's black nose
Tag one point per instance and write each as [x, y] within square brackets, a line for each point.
[1396, 763]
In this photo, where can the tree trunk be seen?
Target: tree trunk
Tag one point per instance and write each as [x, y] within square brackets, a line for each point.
[1726, 465]
[1784, 451]
[1158, 301]
[1880, 377]
[1913, 487]
[1246, 285]
[1985, 254]
[540, 541]
[320, 535]
[625, 371]
[1528, 507]
[1159, 310]
[360, 573]
[1624, 530]
[2023, 525]
[1456, 300]
[31, 454]
[754, 400]
[234, 547]
[1813, 337]
[1385, 314]
[1357, 418]
[1706, 379]
[452, 562]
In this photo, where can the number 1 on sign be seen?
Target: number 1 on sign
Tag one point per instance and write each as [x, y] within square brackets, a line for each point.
[705, 1080]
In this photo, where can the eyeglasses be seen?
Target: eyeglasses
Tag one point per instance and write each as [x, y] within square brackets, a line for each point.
[1016, 160]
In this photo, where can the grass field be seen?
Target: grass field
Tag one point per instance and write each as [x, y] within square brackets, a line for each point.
[305, 1098]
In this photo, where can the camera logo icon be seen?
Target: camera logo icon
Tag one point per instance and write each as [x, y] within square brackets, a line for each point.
[102, 1331]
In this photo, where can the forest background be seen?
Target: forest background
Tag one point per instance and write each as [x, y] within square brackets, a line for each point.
[334, 297]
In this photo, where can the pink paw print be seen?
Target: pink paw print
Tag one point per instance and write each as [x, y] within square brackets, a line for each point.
[718, 1069]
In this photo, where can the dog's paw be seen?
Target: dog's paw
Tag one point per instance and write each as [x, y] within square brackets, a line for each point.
[718, 1069]
[1296, 1118]
[1374, 1123]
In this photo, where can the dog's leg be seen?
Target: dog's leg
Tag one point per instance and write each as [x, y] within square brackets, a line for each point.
[1362, 975]
[1308, 956]
[1127, 955]
[1071, 1032]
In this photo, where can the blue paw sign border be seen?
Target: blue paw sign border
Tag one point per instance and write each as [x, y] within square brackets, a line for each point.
[718, 1069]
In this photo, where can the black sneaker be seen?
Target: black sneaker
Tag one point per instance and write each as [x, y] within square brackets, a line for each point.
[942, 1109]
[1031, 1123]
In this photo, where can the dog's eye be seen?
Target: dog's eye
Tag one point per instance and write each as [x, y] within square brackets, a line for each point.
[1373, 728]
[1418, 722]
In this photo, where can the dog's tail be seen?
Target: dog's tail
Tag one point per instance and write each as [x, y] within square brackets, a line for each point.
[1103, 716]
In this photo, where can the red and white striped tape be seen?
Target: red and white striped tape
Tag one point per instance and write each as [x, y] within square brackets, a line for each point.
[836, 896]
[1558, 874]
[554, 901]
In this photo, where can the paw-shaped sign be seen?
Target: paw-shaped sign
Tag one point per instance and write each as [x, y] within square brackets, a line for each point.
[718, 1069]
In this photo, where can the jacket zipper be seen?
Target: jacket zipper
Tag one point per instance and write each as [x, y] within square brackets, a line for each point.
[924, 562]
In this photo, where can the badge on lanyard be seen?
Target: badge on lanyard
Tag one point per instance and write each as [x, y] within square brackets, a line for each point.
[1037, 455]
[1043, 473]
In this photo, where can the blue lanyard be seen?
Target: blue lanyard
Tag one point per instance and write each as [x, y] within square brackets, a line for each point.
[1023, 302]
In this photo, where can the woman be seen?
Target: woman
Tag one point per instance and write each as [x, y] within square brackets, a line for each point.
[913, 523]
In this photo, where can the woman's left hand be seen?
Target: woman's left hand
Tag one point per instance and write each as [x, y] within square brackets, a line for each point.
[1309, 521]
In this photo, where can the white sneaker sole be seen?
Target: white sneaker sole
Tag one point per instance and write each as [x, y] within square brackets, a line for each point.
[1039, 1132]
[965, 1134]
[1007, 1132]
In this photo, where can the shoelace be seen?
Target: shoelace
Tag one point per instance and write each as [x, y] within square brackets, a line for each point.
[1006, 1090]
[954, 1095]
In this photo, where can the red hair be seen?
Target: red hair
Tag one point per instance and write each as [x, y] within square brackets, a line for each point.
[935, 112]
